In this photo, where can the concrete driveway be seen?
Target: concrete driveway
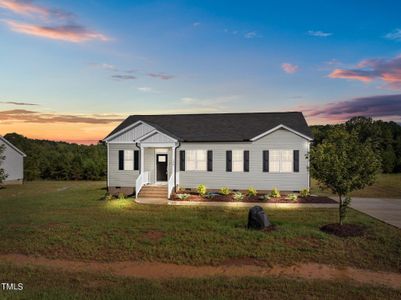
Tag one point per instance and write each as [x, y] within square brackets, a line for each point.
[387, 210]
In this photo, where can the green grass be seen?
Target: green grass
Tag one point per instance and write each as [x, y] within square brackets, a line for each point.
[386, 186]
[42, 283]
[68, 220]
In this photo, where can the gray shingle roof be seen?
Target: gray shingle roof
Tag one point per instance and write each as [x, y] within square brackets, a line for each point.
[225, 127]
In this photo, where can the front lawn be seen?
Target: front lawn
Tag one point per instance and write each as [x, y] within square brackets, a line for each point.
[386, 186]
[69, 220]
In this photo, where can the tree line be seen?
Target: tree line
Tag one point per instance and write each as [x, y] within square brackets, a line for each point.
[64, 161]
[385, 138]
[60, 160]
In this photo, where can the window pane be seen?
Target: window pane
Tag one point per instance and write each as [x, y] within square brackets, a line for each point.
[196, 160]
[129, 160]
[286, 161]
[237, 160]
[274, 161]
[286, 166]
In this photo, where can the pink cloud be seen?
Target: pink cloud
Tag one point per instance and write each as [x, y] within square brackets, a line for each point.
[289, 68]
[69, 33]
[23, 7]
[59, 24]
[387, 70]
[29, 116]
[29, 8]
[351, 74]
[386, 107]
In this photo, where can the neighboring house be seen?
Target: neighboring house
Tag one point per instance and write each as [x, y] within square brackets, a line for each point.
[235, 150]
[13, 163]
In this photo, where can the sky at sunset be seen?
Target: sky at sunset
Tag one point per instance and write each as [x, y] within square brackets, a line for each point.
[72, 70]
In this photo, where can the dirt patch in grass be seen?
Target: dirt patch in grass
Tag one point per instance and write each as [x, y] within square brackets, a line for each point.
[155, 270]
[345, 230]
[153, 235]
[244, 261]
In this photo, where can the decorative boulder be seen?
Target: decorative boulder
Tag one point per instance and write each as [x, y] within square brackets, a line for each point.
[257, 218]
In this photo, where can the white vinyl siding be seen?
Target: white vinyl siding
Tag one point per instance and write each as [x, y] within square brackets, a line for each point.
[238, 161]
[219, 177]
[196, 160]
[122, 178]
[281, 161]
[13, 163]
[128, 160]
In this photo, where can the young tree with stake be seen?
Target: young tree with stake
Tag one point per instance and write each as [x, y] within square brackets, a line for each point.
[343, 164]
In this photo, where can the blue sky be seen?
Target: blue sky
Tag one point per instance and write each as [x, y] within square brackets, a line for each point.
[87, 64]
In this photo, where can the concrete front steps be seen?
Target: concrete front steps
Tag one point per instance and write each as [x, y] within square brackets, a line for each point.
[153, 191]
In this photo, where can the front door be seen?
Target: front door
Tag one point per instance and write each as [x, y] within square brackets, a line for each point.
[161, 167]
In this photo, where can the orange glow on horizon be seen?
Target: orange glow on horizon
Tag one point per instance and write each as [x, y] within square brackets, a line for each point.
[68, 132]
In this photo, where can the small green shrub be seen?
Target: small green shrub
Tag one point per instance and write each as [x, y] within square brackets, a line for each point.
[121, 196]
[275, 193]
[183, 196]
[252, 192]
[202, 189]
[304, 193]
[292, 197]
[238, 196]
[225, 191]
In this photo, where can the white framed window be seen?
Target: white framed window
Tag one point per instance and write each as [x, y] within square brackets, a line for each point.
[281, 161]
[238, 160]
[196, 160]
[128, 160]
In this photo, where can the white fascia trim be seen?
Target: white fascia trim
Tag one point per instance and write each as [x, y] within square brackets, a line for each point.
[152, 133]
[124, 130]
[157, 145]
[12, 146]
[278, 127]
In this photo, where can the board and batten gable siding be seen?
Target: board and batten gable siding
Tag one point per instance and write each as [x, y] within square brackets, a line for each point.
[280, 139]
[157, 137]
[116, 177]
[133, 133]
[13, 164]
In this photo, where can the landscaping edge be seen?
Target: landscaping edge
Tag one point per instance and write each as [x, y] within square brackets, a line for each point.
[251, 204]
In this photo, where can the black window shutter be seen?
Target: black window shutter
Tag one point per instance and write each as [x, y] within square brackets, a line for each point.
[209, 160]
[265, 160]
[296, 160]
[182, 160]
[121, 159]
[136, 159]
[229, 160]
[246, 161]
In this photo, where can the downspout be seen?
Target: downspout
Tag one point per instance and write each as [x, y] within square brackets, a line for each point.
[175, 167]
[139, 162]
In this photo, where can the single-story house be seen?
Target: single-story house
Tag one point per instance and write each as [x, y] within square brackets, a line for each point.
[13, 163]
[234, 150]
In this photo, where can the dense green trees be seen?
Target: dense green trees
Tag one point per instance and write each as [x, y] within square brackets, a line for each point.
[60, 160]
[64, 161]
[385, 138]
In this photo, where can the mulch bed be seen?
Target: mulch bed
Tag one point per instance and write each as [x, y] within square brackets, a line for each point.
[345, 230]
[254, 199]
